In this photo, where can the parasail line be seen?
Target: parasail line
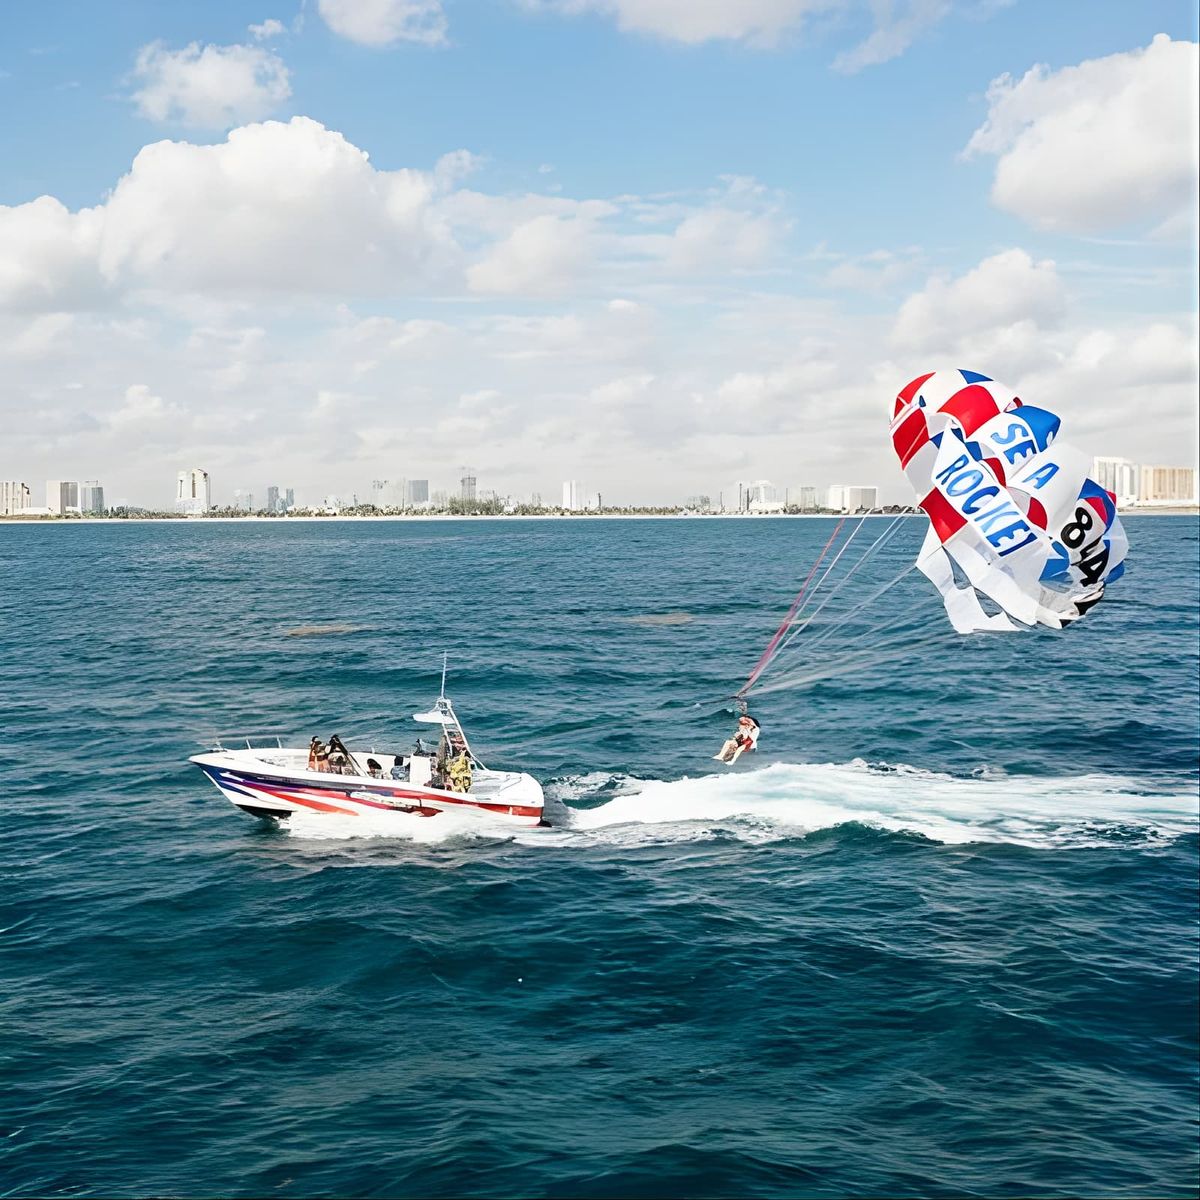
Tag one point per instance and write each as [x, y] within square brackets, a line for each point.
[903, 619]
[906, 624]
[837, 558]
[769, 652]
[829, 630]
[866, 554]
[854, 665]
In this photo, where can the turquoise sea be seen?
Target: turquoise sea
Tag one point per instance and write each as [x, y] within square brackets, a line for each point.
[937, 937]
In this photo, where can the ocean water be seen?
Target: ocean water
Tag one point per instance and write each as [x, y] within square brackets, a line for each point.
[937, 937]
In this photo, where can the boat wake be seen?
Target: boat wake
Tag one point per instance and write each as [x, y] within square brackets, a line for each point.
[790, 800]
[786, 801]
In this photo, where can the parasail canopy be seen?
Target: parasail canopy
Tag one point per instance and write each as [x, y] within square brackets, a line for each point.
[1013, 516]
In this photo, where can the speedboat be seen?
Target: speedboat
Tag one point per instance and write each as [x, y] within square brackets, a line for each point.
[278, 781]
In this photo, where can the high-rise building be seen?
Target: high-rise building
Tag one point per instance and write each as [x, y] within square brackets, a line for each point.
[761, 496]
[14, 497]
[852, 498]
[62, 496]
[289, 500]
[91, 497]
[570, 495]
[193, 492]
[418, 491]
[467, 485]
[861, 499]
[1167, 485]
[272, 499]
[809, 498]
[1119, 476]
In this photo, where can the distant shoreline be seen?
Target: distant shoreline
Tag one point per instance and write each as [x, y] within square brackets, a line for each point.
[308, 517]
[41, 521]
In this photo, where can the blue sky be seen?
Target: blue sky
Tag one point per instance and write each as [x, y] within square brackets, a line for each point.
[804, 219]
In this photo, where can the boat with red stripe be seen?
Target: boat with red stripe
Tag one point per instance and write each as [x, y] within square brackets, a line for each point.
[278, 781]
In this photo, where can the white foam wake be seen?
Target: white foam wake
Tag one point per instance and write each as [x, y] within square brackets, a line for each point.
[786, 800]
[791, 800]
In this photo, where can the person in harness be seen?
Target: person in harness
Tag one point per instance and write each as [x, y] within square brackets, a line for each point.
[745, 737]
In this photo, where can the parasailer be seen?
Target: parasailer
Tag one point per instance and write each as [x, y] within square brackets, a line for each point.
[745, 737]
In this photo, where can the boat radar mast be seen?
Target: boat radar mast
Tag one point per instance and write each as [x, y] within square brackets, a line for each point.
[442, 713]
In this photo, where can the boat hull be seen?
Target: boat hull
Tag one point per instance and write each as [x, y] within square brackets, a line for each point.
[277, 794]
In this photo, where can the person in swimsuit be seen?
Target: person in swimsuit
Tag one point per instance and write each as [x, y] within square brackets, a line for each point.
[745, 737]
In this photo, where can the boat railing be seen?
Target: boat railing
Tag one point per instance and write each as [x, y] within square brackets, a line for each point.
[253, 741]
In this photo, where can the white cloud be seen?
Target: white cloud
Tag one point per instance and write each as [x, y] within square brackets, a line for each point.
[1123, 384]
[721, 239]
[641, 402]
[386, 22]
[763, 23]
[876, 272]
[1127, 388]
[210, 87]
[268, 29]
[894, 32]
[541, 256]
[48, 256]
[275, 207]
[782, 396]
[44, 335]
[454, 167]
[1005, 292]
[1105, 145]
[294, 210]
[141, 410]
[695, 21]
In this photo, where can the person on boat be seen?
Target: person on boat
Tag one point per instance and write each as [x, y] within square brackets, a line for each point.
[318, 755]
[374, 768]
[398, 771]
[458, 773]
[745, 737]
[339, 756]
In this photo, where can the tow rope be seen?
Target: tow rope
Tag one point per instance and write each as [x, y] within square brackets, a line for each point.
[785, 624]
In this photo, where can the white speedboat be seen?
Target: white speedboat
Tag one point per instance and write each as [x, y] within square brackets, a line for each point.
[278, 781]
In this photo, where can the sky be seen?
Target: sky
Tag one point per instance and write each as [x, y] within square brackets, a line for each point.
[656, 246]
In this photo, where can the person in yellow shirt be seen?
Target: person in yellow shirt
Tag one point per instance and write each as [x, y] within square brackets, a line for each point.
[458, 773]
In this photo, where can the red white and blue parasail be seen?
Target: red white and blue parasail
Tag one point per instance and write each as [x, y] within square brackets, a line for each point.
[1013, 516]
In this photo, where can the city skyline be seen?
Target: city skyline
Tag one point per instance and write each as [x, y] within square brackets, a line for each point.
[1131, 484]
[729, 278]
